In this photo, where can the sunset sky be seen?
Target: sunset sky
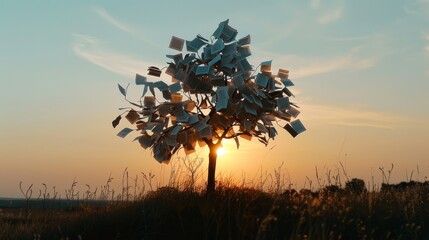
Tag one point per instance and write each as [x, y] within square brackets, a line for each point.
[360, 68]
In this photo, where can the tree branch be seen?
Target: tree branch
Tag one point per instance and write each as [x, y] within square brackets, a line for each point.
[236, 135]
[208, 142]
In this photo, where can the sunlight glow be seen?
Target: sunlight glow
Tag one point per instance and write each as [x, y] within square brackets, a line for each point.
[221, 151]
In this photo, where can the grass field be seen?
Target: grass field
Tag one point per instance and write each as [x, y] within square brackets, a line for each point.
[232, 213]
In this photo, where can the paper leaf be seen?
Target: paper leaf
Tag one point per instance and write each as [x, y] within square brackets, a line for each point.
[222, 98]
[227, 59]
[175, 87]
[288, 92]
[261, 127]
[116, 121]
[192, 119]
[122, 90]
[132, 116]
[244, 41]
[157, 130]
[229, 50]
[220, 28]
[146, 141]
[176, 130]
[271, 85]
[124, 132]
[149, 101]
[190, 105]
[287, 82]
[176, 43]
[194, 45]
[162, 86]
[183, 117]
[272, 132]
[297, 126]
[206, 132]
[215, 60]
[293, 112]
[202, 38]
[290, 129]
[250, 108]
[217, 46]
[176, 58]
[238, 81]
[283, 103]
[166, 94]
[203, 70]
[171, 141]
[217, 80]
[176, 97]
[266, 66]
[154, 71]
[200, 126]
[283, 74]
[245, 65]
[188, 59]
[244, 51]
[228, 33]
[164, 109]
[261, 80]
[140, 80]
[206, 53]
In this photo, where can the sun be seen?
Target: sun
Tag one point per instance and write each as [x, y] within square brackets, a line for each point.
[221, 151]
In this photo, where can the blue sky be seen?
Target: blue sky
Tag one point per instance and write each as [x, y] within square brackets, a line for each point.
[360, 70]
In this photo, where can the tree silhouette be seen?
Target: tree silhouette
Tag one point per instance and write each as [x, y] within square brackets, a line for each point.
[215, 95]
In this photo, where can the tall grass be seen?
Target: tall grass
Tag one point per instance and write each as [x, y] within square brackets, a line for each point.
[268, 209]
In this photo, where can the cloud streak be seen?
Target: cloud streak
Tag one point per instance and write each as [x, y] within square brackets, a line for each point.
[91, 49]
[125, 28]
[427, 46]
[315, 4]
[106, 16]
[330, 17]
[317, 66]
[427, 51]
[354, 117]
[303, 67]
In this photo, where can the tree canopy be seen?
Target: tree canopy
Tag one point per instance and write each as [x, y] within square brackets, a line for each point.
[214, 94]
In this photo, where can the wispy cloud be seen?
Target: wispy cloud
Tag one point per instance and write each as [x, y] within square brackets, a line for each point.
[116, 23]
[426, 36]
[315, 4]
[323, 65]
[427, 46]
[106, 16]
[418, 8]
[349, 39]
[332, 16]
[310, 66]
[92, 50]
[355, 117]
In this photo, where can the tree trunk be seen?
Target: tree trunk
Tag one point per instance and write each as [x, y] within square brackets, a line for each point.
[212, 169]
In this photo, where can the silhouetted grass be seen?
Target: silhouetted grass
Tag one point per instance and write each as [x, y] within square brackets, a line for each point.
[234, 213]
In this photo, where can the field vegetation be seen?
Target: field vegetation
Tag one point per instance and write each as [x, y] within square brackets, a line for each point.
[183, 210]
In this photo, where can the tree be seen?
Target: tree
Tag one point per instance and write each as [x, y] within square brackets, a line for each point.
[215, 95]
